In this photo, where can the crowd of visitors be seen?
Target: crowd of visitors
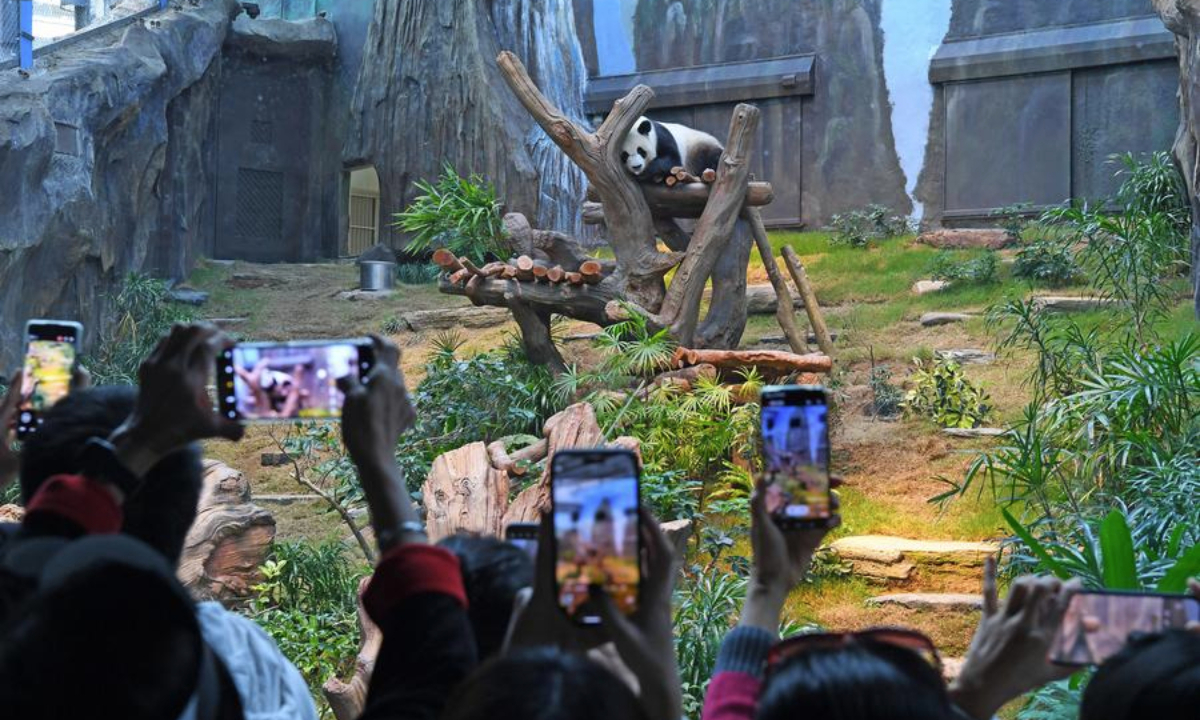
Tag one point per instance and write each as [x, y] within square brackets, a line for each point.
[93, 622]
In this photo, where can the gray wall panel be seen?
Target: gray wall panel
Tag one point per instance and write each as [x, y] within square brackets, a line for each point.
[1008, 141]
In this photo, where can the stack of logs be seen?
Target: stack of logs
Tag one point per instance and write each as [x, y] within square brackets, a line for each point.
[523, 268]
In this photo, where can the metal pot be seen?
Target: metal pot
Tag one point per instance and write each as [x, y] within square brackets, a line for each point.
[377, 275]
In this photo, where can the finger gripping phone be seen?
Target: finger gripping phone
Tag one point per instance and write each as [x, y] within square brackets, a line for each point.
[794, 434]
[268, 382]
[51, 349]
[597, 530]
[1097, 625]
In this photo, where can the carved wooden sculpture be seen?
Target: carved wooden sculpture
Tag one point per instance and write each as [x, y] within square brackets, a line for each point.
[550, 274]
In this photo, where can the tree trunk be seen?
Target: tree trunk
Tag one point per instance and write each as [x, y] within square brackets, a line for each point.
[727, 311]
[464, 493]
[796, 268]
[771, 363]
[784, 310]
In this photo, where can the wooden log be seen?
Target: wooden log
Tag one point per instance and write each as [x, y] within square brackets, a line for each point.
[681, 201]
[796, 268]
[671, 181]
[347, 699]
[575, 278]
[553, 247]
[464, 493]
[510, 272]
[685, 378]
[469, 266]
[773, 363]
[458, 276]
[492, 269]
[228, 540]
[446, 260]
[784, 312]
[534, 453]
[525, 267]
[540, 272]
[556, 274]
[709, 176]
[680, 309]
[575, 427]
[592, 272]
[498, 454]
[593, 213]
[447, 318]
[582, 302]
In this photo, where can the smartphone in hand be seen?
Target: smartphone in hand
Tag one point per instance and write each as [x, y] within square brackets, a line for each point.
[288, 381]
[524, 536]
[51, 350]
[794, 427]
[597, 529]
[1098, 624]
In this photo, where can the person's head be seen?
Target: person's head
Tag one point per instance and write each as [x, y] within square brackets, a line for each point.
[1155, 676]
[862, 680]
[493, 572]
[111, 633]
[162, 511]
[546, 684]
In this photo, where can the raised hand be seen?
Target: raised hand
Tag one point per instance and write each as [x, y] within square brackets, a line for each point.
[376, 413]
[1010, 651]
[173, 406]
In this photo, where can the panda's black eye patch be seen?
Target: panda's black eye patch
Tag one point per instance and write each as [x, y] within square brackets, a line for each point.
[642, 152]
[624, 156]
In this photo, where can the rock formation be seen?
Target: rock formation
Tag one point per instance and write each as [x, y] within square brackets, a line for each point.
[107, 164]
[1182, 17]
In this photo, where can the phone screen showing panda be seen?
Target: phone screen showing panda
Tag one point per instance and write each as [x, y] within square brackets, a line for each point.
[795, 446]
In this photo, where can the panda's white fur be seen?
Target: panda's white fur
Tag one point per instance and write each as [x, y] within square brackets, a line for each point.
[652, 149]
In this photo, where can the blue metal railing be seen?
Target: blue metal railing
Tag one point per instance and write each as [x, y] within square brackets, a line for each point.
[29, 28]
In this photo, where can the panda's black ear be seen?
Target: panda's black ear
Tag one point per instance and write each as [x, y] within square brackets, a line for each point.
[645, 127]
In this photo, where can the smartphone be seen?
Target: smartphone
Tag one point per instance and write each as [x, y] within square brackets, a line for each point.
[795, 454]
[597, 531]
[524, 536]
[288, 381]
[51, 348]
[1098, 624]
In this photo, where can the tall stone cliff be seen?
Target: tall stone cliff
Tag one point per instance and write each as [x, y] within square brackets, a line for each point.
[106, 152]
[1182, 17]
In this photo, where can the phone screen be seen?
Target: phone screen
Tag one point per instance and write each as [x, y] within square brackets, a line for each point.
[1097, 625]
[596, 529]
[524, 536]
[795, 446]
[51, 350]
[285, 381]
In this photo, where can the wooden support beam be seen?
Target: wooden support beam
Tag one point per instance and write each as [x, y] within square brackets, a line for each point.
[687, 200]
[784, 312]
[796, 268]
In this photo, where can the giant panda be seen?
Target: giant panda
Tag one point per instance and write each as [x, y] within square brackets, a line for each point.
[652, 149]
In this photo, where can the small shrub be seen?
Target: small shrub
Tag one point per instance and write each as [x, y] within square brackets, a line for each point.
[307, 603]
[886, 398]
[976, 271]
[457, 213]
[417, 273]
[142, 313]
[943, 394]
[392, 326]
[1047, 261]
[1014, 219]
[859, 228]
[1057, 701]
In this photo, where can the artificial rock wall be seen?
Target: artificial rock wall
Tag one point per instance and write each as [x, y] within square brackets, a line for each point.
[1182, 18]
[106, 155]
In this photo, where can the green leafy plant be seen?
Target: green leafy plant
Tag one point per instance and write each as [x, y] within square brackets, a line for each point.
[140, 314]
[1057, 701]
[942, 393]
[859, 228]
[1047, 260]
[417, 273]
[307, 603]
[458, 213]
[1152, 184]
[980, 270]
[1014, 219]
[886, 398]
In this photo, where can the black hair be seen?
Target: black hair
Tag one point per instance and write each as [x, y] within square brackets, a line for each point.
[865, 680]
[493, 571]
[162, 511]
[113, 641]
[1154, 676]
[542, 684]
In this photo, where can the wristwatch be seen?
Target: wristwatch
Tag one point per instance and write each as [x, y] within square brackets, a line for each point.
[99, 461]
[388, 538]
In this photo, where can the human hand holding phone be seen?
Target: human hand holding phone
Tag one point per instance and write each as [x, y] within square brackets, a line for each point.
[1009, 655]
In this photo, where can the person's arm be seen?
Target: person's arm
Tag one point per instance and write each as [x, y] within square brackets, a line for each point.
[1009, 654]
[781, 560]
[416, 594]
